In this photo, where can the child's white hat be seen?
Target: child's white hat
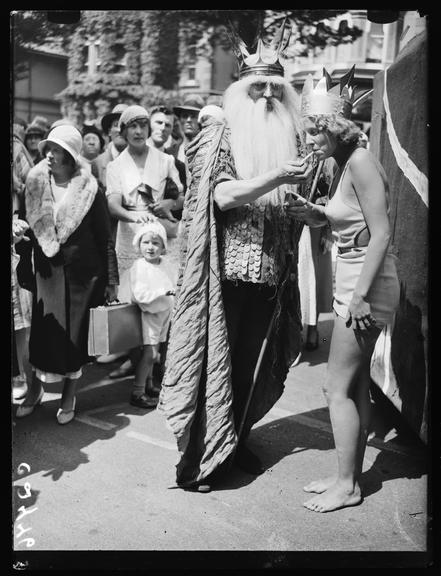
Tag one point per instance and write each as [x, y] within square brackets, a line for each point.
[156, 228]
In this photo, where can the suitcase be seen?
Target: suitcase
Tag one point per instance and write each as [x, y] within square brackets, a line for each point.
[114, 328]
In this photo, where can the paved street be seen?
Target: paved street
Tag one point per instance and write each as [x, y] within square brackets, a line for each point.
[102, 482]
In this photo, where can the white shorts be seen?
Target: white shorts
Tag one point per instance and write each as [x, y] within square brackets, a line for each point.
[155, 326]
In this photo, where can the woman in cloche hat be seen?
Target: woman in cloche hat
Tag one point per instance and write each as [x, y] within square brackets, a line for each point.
[135, 187]
[74, 262]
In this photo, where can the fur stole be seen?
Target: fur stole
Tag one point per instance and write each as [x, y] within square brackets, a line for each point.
[50, 232]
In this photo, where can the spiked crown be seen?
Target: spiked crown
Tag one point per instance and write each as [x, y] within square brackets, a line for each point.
[326, 98]
[265, 61]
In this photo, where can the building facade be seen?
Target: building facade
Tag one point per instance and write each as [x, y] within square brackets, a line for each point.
[41, 75]
[374, 51]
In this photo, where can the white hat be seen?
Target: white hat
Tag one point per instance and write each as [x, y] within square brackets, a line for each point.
[213, 111]
[156, 228]
[66, 136]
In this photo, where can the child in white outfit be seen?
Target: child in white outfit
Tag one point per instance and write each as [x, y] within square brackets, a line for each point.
[151, 287]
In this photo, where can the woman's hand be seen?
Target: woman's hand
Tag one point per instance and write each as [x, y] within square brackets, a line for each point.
[294, 172]
[142, 217]
[19, 228]
[300, 209]
[359, 314]
[110, 293]
[161, 209]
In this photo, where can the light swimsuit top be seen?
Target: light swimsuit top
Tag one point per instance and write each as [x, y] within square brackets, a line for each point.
[346, 217]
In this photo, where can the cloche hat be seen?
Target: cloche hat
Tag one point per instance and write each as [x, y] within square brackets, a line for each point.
[66, 136]
[132, 113]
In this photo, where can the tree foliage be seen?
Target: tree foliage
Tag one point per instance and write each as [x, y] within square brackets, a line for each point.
[155, 44]
[33, 26]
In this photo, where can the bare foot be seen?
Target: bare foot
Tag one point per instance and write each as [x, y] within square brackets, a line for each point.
[319, 486]
[337, 496]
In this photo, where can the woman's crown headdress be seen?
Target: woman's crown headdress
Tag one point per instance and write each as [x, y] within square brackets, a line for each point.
[265, 61]
[326, 98]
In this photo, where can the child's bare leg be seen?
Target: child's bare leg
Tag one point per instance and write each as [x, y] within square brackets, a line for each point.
[143, 371]
[150, 388]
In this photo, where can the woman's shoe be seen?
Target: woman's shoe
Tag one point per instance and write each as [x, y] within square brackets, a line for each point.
[312, 344]
[126, 369]
[19, 387]
[26, 409]
[108, 358]
[66, 416]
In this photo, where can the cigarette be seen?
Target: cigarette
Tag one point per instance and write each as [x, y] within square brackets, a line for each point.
[310, 154]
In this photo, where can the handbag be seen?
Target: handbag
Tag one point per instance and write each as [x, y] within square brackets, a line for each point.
[114, 328]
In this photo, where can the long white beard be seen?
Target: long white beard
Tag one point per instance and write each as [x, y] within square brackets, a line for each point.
[261, 139]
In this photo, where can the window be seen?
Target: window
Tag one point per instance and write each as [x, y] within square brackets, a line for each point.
[191, 67]
[120, 58]
[91, 54]
[375, 43]
[343, 26]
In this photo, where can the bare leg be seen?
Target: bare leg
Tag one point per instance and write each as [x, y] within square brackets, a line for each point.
[20, 382]
[68, 394]
[346, 359]
[34, 391]
[22, 342]
[362, 401]
[144, 369]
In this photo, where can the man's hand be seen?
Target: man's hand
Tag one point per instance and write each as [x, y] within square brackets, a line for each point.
[295, 172]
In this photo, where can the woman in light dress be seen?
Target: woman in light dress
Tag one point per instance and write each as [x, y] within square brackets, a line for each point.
[142, 183]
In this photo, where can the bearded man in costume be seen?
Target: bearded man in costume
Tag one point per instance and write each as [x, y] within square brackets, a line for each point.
[238, 272]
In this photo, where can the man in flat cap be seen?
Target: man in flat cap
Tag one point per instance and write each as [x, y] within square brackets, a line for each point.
[188, 114]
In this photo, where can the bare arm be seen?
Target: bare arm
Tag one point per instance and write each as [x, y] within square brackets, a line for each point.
[233, 193]
[371, 194]
[117, 210]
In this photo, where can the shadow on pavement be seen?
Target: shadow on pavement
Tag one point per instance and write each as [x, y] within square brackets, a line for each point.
[285, 437]
[276, 440]
[52, 449]
[391, 466]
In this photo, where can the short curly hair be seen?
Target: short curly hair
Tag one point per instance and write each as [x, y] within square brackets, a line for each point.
[346, 132]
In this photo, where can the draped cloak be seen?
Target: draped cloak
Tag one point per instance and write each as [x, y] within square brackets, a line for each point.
[196, 396]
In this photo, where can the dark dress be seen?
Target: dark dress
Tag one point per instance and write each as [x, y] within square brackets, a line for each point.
[67, 286]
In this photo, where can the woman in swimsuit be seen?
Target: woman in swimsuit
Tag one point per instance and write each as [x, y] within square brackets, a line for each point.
[366, 291]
